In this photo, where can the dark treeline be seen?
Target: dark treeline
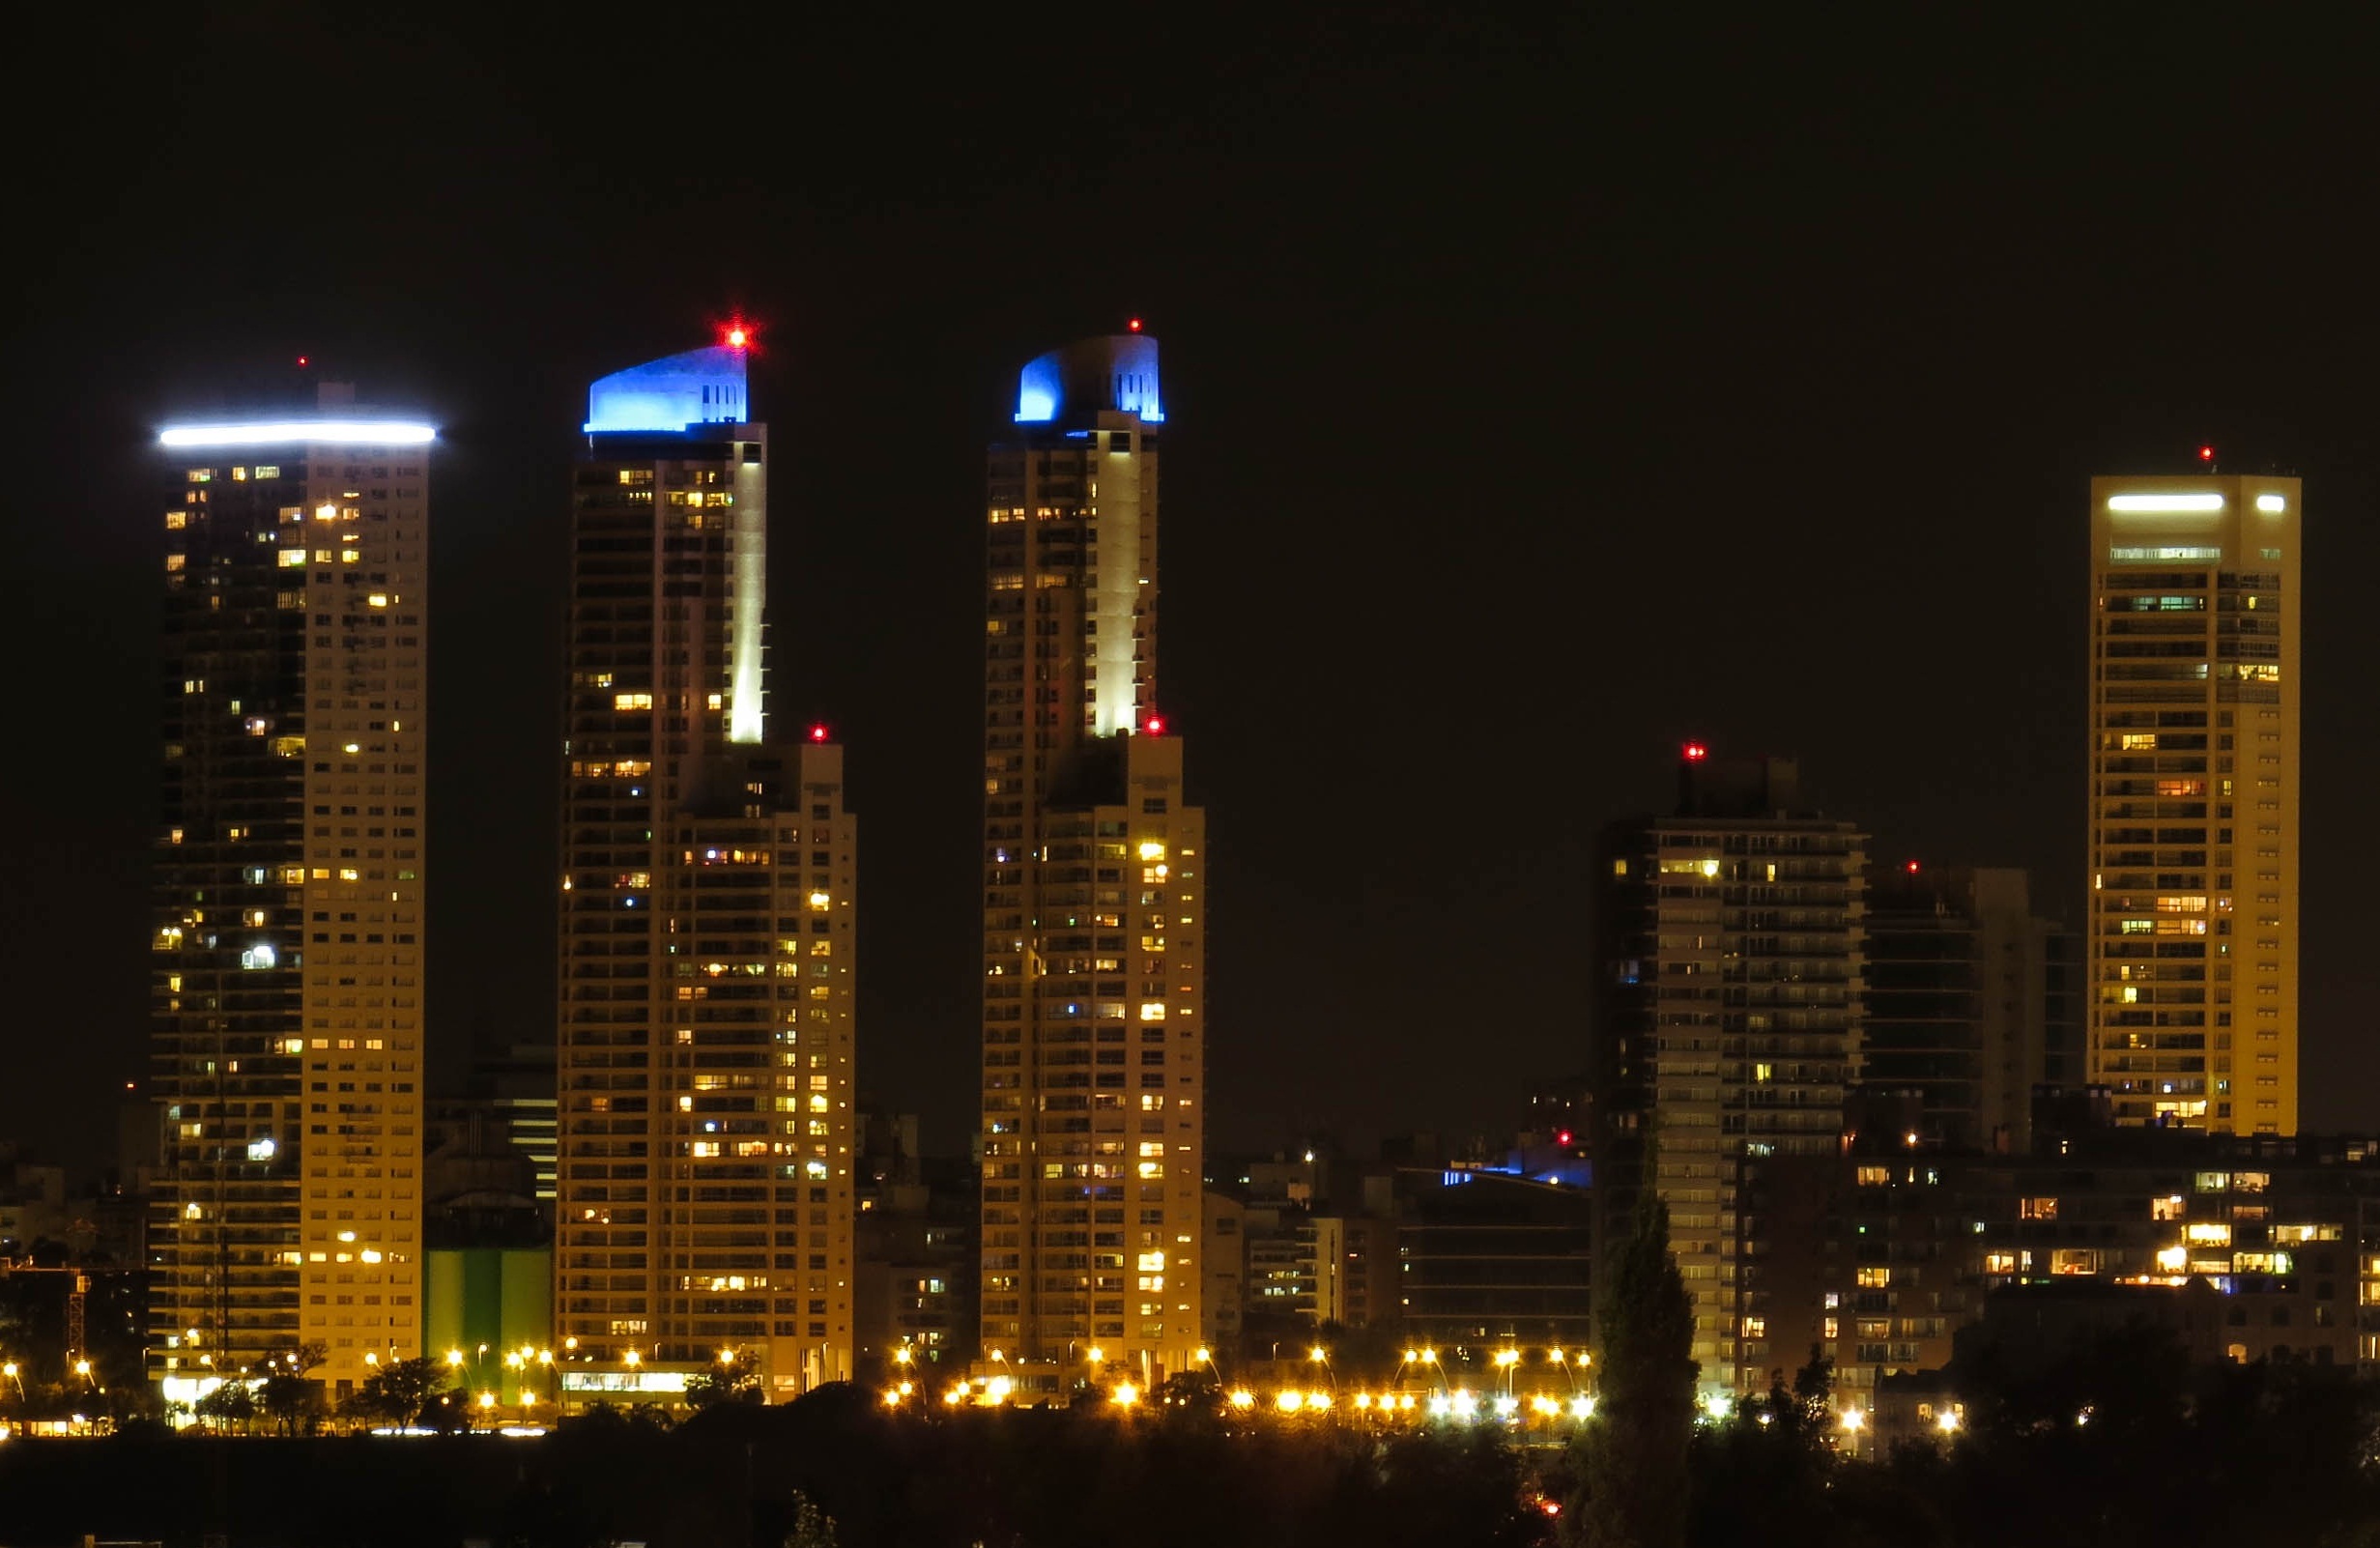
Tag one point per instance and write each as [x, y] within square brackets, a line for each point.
[2164, 1454]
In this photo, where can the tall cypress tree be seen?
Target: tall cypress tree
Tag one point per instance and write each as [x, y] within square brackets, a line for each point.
[1635, 1461]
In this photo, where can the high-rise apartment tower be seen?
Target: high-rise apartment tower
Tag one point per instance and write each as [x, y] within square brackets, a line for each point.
[288, 933]
[706, 945]
[2191, 945]
[1733, 974]
[1094, 898]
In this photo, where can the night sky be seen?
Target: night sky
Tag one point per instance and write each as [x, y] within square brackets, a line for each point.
[1539, 395]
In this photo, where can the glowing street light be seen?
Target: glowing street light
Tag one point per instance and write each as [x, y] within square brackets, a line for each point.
[1947, 1422]
[1855, 1421]
[1125, 1395]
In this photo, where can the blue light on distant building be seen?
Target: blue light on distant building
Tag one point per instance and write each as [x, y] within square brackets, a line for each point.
[1117, 372]
[701, 387]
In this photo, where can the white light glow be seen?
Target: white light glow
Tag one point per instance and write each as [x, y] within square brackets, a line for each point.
[2164, 504]
[320, 432]
[2270, 505]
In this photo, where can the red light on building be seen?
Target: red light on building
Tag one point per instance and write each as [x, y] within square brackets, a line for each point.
[1912, 868]
[301, 359]
[817, 732]
[1563, 1137]
[1134, 325]
[1154, 724]
[738, 336]
[2206, 453]
[1696, 752]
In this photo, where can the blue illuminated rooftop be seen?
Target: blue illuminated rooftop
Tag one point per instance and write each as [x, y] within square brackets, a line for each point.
[1073, 385]
[701, 387]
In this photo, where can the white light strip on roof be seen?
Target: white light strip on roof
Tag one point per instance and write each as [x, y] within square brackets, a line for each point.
[2163, 504]
[323, 432]
[2271, 503]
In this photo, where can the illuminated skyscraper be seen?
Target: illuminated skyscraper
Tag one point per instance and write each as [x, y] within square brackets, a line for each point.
[288, 930]
[1732, 975]
[1094, 894]
[2193, 915]
[706, 1054]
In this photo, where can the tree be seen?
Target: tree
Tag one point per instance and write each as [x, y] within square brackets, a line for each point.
[730, 1381]
[400, 1390]
[812, 1526]
[231, 1403]
[287, 1397]
[1635, 1464]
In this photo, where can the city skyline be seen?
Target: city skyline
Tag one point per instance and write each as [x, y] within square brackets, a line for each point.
[1993, 337]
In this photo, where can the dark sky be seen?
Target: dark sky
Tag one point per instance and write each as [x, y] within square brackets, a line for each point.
[1541, 395]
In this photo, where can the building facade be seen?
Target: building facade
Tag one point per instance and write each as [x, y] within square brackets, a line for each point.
[287, 964]
[705, 1054]
[2192, 938]
[1965, 1001]
[1093, 918]
[1732, 975]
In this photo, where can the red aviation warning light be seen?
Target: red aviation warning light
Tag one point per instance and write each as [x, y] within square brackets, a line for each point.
[1696, 752]
[2206, 453]
[1134, 325]
[302, 362]
[736, 337]
[817, 732]
[1154, 726]
[1912, 868]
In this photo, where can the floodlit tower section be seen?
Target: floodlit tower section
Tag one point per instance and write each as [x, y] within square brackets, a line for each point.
[287, 958]
[2191, 949]
[704, 1046]
[696, 395]
[1094, 960]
